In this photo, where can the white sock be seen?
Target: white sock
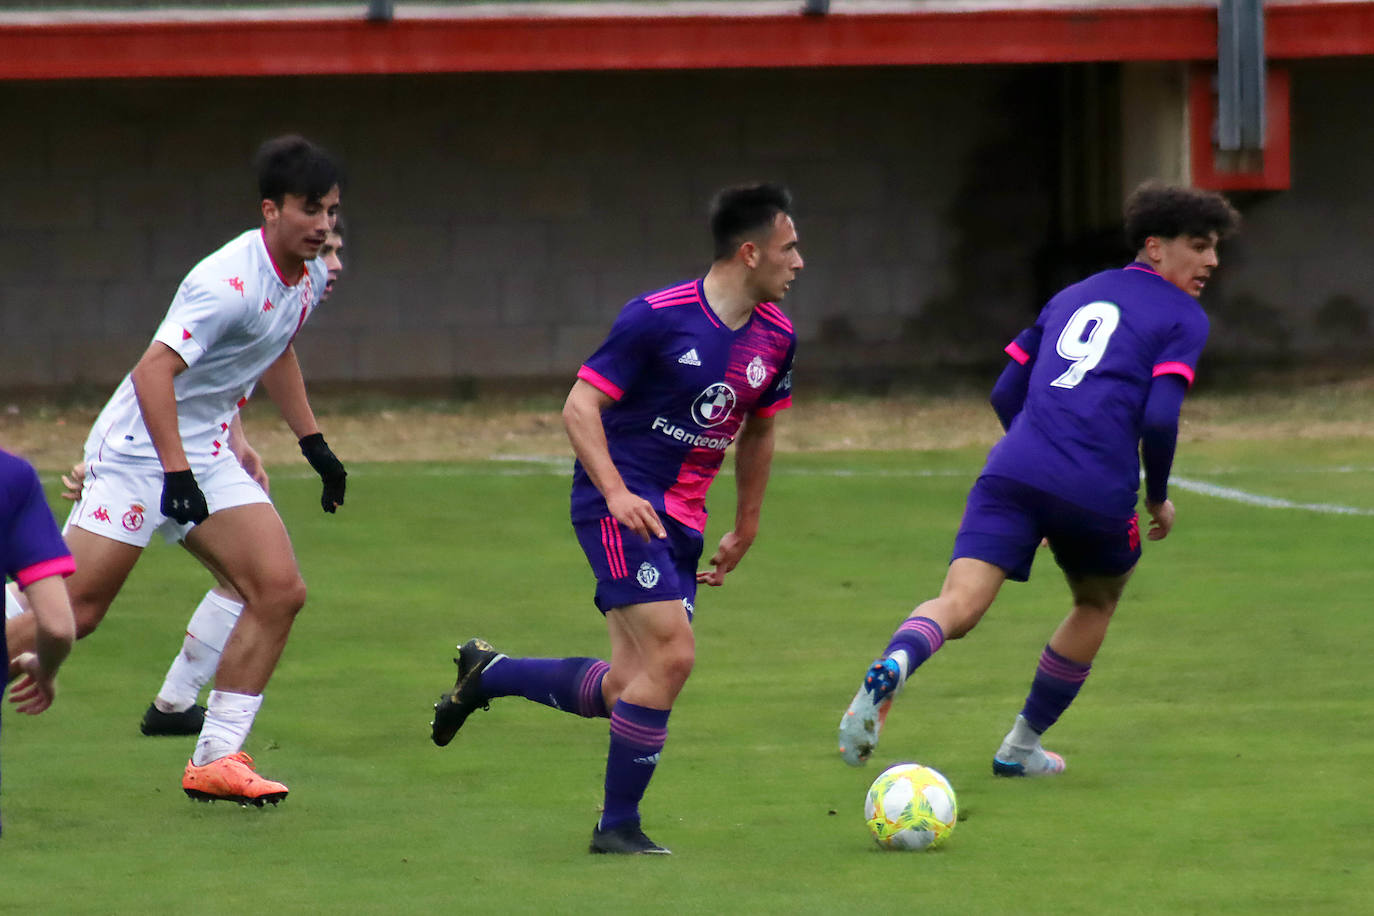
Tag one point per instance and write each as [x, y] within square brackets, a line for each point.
[903, 660]
[1022, 736]
[194, 666]
[12, 606]
[228, 719]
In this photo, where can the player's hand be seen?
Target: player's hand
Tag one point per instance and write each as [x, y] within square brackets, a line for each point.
[73, 481]
[1161, 519]
[35, 689]
[182, 499]
[251, 462]
[727, 556]
[330, 469]
[637, 514]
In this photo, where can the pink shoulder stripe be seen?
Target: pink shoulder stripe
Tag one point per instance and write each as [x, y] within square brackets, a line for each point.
[1182, 369]
[774, 314]
[600, 383]
[665, 303]
[775, 407]
[673, 292]
[1014, 350]
[57, 566]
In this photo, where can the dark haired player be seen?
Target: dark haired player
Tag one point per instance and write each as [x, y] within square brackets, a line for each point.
[158, 458]
[1094, 389]
[33, 554]
[174, 710]
[685, 371]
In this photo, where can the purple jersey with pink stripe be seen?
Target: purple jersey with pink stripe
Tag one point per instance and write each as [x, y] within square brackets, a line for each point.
[683, 383]
[30, 546]
[1093, 353]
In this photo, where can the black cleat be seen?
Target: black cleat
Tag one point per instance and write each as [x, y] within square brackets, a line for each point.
[454, 707]
[626, 840]
[186, 722]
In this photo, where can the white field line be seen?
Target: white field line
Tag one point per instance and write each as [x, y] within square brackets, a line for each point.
[562, 467]
[1263, 502]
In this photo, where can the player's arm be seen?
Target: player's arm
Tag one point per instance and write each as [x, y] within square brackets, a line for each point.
[56, 630]
[286, 387]
[753, 463]
[1158, 438]
[154, 386]
[1009, 393]
[582, 420]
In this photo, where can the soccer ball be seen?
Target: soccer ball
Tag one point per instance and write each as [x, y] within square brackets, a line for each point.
[910, 806]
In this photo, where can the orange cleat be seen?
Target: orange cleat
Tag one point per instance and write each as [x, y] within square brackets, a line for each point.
[230, 778]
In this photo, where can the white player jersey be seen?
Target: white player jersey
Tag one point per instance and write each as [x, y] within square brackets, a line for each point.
[232, 317]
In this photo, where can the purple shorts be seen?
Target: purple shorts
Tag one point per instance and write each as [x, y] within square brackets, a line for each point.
[1005, 519]
[630, 571]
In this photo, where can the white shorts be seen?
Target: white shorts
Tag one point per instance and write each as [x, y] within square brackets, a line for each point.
[122, 496]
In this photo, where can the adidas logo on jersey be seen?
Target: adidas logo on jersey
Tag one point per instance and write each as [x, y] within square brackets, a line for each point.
[690, 358]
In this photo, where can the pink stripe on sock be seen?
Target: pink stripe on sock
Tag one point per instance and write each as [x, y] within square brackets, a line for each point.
[1062, 668]
[638, 735]
[589, 699]
[927, 628]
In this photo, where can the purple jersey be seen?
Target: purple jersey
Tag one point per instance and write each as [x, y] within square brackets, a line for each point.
[30, 546]
[683, 383]
[1093, 353]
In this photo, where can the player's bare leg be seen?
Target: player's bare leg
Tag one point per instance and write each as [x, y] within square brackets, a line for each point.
[653, 650]
[1063, 667]
[968, 591]
[102, 566]
[248, 547]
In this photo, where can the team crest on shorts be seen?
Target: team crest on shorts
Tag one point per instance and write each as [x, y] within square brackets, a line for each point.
[133, 519]
[755, 373]
[647, 577]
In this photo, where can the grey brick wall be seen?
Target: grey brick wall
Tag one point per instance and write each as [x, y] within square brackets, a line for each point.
[497, 222]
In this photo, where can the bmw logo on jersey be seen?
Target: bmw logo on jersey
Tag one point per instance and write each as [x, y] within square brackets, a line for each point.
[714, 405]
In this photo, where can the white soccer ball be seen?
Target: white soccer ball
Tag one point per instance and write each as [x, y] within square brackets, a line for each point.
[910, 806]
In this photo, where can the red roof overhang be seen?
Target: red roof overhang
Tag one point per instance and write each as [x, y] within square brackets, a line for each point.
[949, 33]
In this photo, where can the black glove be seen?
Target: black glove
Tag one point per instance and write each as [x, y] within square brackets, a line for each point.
[182, 499]
[330, 469]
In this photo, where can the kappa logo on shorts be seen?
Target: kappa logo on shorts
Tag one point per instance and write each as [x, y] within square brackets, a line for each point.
[101, 514]
[647, 577]
[133, 519]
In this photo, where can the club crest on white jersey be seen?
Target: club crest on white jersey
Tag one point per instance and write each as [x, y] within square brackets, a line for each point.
[713, 406]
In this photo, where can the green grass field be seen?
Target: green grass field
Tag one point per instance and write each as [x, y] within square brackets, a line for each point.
[1219, 756]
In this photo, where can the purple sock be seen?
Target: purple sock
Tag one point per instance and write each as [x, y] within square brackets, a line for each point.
[920, 637]
[570, 684]
[637, 737]
[1057, 682]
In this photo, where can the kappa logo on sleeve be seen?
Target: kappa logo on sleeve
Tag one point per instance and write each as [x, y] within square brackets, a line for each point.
[235, 283]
